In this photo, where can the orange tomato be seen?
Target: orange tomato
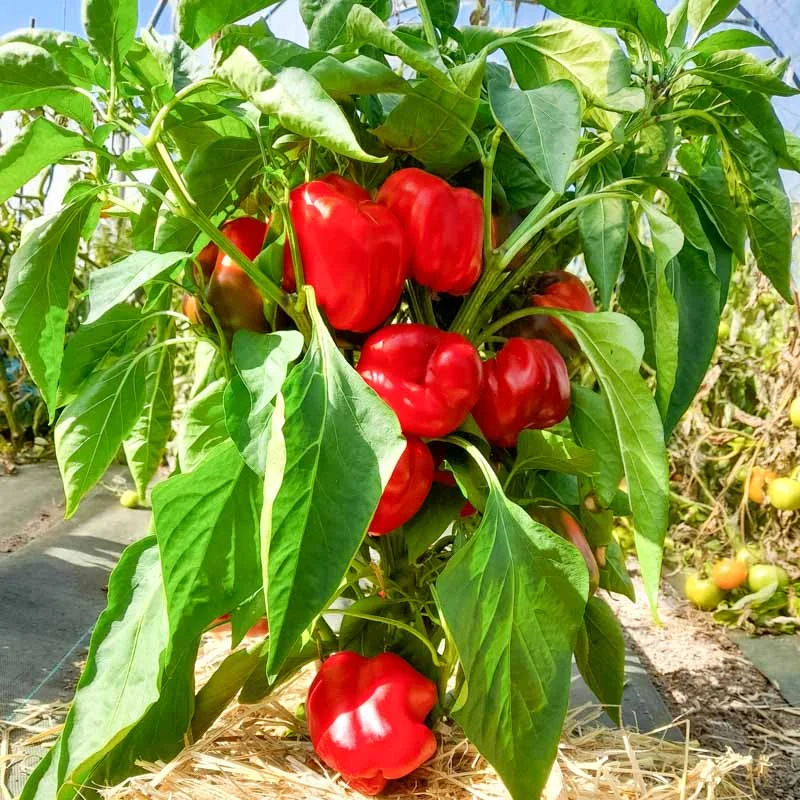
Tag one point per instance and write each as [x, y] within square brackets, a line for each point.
[729, 573]
[756, 481]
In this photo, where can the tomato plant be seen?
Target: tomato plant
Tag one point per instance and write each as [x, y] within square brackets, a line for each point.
[347, 322]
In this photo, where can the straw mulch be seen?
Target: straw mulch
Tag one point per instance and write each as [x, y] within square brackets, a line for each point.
[261, 751]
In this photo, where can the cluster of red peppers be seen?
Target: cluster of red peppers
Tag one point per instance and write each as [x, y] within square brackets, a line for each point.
[367, 716]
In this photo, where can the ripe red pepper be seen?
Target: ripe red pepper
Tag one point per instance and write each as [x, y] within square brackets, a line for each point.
[407, 488]
[353, 251]
[559, 290]
[525, 386]
[233, 295]
[443, 225]
[430, 378]
[366, 718]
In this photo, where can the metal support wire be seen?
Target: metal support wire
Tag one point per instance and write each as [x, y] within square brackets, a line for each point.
[764, 34]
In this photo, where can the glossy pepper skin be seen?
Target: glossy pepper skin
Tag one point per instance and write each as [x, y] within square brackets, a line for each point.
[407, 488]
[353, 251]
[366, 718]
[430, 378]
[233, 296]
[205, 262]
[559, 290]
[525, 386]
[443, 225]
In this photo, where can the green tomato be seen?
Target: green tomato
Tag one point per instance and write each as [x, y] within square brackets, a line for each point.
[784, 494]
[766, 300]
[703, 592]
[724, 330]
[762, 575]
[748, 555]
[129, 499]
[794, 412]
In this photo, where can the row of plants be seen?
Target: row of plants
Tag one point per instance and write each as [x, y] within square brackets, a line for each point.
[409, 433]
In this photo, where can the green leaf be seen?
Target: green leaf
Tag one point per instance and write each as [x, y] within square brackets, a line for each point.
[558, 49]
[513, 598]
[759, 110]
[705, 14]
[653, 147]
[732, 39]
[603, 226]
[31, 78]
[297, 100]
[114, 334]
[33, 308]
[614, 347]
[614, 576]
[110, 27]
[179, 64]
[738, 70]
[432, 123]
[262, 362]
[202, 427]
[443, 13]
[327, 25]
[600, 655]
[593, 426]
[146, 443]
[307, 540]
[92, 427]
[69, 51]
[696, 289]
[115, 284]
[543, 124]
[197, 20]
[432, 520]
[752, 172]
[643, 16]
[547, 451]
[208, 533]
[121, 680]
[40, 144]
[359, 75]
[677, 24]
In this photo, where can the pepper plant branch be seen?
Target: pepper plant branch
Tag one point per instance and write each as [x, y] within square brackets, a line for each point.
[488, 174]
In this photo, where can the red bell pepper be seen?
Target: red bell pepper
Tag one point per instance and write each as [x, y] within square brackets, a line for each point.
[430, 378]
[407, 488]
[353, 251]
[366, 718]
[559, 290]
[233, 295]
[443, 225]
[525, 386]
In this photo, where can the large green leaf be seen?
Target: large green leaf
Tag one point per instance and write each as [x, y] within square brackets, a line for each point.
[558, 48]
[358, 75]
[69, 51]
[203, 426]
[298, 101]
[513, 599]
[705, 14]
[30, 78]
[443, 13]
[543, 124]
[111, 27]
[333, 447]
[600, 655]
[147, 441]
[593, 426]
[752, 173]
[207, 523]
[196, 20]
[738, 70]
[327, 19]
[93, 426]
[614, 347]
[759, 110]
[643, 16]
[548, 451]
[40, 144]
[262, 361]
[116, 283]
[603, 225]
[33, 308]
[121, 681]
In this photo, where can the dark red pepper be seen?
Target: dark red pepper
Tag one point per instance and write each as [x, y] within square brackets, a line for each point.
[407, 488]
[525, 386]
[232, 294]
[353, 251]
[430, 378]
[558, 290]
[366, 718]
[444, 227]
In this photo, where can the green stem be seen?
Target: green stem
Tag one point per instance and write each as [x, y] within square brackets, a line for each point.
[488, 175]
[501, 323]
[427, 23]
[157, 128]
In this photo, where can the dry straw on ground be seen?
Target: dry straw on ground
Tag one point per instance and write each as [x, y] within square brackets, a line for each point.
[261, 751]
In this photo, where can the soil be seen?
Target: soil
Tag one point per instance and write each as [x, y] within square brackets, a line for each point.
[706, 681]
[40, 526]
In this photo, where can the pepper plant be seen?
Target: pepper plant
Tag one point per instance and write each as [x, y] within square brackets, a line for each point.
[654, 153]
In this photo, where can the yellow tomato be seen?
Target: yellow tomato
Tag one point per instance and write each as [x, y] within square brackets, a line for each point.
[703, 592]
[784, 494]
